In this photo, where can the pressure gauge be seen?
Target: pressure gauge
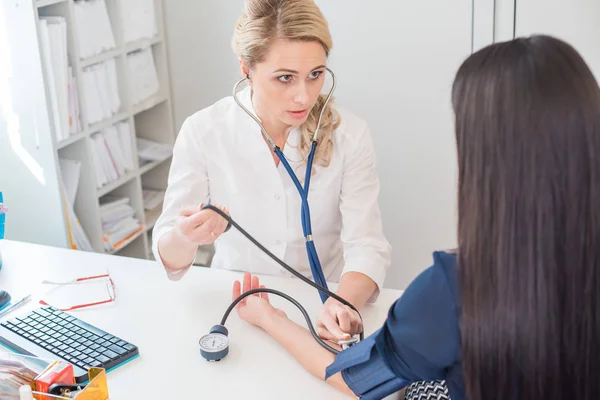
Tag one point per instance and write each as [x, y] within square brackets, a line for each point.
[215, 345]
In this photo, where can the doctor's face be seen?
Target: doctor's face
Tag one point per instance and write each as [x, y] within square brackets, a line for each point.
[287, 84]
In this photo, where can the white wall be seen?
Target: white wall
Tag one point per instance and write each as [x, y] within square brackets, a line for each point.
[202, 64]
[575, 21]
[395, 62]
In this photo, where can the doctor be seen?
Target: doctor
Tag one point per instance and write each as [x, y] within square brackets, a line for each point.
[221, 157]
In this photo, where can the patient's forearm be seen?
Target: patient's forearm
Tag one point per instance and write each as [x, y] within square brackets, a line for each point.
[300, 343]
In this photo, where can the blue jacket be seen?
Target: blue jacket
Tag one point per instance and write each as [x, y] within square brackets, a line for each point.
[420, 340]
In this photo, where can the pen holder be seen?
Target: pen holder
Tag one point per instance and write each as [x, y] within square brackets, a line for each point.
[18, 370]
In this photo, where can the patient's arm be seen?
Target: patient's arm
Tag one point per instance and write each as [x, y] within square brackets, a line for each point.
[257, 310]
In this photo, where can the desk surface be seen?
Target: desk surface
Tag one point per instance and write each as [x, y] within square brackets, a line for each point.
[166, 319]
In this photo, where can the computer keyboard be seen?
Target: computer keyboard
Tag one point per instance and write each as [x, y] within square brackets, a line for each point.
[48, 330]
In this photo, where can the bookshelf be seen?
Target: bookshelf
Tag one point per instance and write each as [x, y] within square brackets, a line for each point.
[150, 119]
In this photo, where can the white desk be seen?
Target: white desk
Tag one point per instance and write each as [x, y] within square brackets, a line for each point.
[165, 320]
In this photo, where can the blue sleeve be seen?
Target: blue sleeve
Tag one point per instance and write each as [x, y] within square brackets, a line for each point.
[419, 341]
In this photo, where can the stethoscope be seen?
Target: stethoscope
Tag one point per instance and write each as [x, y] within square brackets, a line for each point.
[313, 258]
[215, 345]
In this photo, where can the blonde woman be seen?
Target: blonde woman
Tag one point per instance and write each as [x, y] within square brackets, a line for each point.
[221, 157]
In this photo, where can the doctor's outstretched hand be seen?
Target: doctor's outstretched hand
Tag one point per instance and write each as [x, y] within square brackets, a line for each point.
[200, 227]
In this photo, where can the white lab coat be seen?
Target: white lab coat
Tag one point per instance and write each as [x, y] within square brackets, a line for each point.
[220, 157]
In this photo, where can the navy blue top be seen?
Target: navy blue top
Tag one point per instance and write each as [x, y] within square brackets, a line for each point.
[420, 340]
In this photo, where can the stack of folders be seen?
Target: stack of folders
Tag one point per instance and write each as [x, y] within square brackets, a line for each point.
[61, 84]
[138, 18]
[142, 74]
[118, 222]
[149, 151]
[94, 30]
[101, 91]
[112, 153]
[152, 198]
[69, 179]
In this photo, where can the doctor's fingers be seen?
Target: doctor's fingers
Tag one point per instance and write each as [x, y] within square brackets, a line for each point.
[331, 324]
[348, 320]
[205, 233]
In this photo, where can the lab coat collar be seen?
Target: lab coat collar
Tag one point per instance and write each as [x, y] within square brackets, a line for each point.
[290, 150]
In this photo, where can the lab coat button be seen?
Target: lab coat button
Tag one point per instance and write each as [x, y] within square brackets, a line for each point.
[276, 196]
[278, 242]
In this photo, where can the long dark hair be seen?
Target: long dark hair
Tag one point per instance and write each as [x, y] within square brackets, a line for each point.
[528, 140]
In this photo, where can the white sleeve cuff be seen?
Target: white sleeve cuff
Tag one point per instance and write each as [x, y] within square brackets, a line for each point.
[173, 274]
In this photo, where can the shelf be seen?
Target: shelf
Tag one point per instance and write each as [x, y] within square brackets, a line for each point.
[71, 140]
[140, 44]
[107, 55]
[151, 165]
[149, 103]
[151, 217]
[44, 3]
[151, 118]
[139, 233]
[116, 184]
[97, 127]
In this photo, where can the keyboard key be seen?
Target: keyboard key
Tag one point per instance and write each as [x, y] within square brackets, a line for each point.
[121, 343]
[89, 327]
[117, 349]
[103, 359]
[76, 354]
[110, 354]
[96, 363]
[42, 312]
[94, 355]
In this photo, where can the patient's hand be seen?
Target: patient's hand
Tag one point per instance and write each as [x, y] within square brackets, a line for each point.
[254, 309]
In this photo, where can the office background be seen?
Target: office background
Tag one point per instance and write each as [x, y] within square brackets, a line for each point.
[395, 62]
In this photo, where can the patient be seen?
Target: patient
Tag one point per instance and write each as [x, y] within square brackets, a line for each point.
[515, 314]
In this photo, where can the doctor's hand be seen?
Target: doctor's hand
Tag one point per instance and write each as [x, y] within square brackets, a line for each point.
[337, 321]
[256, 308]
[200, 227]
